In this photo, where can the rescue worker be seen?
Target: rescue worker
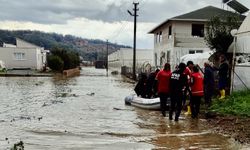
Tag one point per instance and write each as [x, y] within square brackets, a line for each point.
[178, 81]
[152, 84]
[197, 91]
[163, 78]
[223, 76]
[187, 92]
[208, 83]
[140, 88]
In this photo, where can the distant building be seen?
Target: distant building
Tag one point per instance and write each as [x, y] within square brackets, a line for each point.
[183, 35]
[23, 55]
[124, 57]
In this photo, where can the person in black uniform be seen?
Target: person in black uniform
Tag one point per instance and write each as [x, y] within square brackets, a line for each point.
[223, 75]
[178, 81]
[140, 88]
[151, 84]
[208, 83]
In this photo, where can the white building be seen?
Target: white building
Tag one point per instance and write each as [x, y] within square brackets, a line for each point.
[183, 35]
[23, 55]
[242, 50]
[124, 57]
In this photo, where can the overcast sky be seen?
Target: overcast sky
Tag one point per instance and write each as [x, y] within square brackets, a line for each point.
[96, 19]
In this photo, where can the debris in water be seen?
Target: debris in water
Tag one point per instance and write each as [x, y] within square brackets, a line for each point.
[44, 104]
[91, 94]
[115, 108]
[18, 146]
[39, 118]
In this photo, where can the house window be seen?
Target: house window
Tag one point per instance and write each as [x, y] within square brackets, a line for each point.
[169, 32]
[156, 37]
[19, 56]
[155, 59]
[191, 52]
[195, 51]
[168, 56]
[160, 36]
[198, 30]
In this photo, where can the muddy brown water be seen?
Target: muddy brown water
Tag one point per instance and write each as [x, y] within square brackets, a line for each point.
[88, 112]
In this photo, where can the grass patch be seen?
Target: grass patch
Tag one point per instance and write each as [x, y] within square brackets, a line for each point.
[238, 103]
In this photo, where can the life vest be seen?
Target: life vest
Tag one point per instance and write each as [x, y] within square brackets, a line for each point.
[163, 78]
[188, 73]
[197, 84]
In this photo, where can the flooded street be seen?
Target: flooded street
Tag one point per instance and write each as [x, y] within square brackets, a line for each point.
[88, 112]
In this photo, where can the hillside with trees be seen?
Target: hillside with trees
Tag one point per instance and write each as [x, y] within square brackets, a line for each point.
[88, 49]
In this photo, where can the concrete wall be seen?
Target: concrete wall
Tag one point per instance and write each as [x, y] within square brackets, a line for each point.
[124, 57]
[243, 72]
[71, 72]
[22, 43]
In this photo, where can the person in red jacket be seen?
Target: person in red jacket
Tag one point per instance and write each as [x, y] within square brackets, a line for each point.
[163, 78]
[197, 91]
[187, 91]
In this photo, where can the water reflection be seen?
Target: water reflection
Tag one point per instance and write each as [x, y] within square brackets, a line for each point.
[88, 112]
[185, 134]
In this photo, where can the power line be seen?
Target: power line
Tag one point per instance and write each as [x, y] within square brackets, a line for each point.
[124, 24]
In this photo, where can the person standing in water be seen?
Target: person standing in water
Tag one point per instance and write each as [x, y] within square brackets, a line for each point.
[223, 76]
[178, 81]
[163, 78]
[196, 82]
[208, 84]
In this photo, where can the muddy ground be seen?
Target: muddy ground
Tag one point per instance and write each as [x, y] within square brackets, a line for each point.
[233, 126]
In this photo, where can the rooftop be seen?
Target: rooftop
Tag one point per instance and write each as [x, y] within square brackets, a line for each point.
[203, 14]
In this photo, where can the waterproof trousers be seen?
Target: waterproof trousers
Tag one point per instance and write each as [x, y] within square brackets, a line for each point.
[195, 102]
[163, 102]
[176, 105]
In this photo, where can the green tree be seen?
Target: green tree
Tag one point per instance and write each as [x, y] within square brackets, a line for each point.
[218, 34]
[55, 63]
[70, 58]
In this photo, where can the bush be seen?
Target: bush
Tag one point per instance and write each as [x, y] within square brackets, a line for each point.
[55, 63]
[236, 104]
[70, 59]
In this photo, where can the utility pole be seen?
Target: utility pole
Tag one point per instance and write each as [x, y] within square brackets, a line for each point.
[134, 48]
[107, 66]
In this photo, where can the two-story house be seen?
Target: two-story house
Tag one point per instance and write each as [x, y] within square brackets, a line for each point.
[23, 55]
[183, 35]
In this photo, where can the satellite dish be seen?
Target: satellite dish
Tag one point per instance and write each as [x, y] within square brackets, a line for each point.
[234, 32]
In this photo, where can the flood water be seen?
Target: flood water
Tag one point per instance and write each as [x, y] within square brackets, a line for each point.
[88, 112]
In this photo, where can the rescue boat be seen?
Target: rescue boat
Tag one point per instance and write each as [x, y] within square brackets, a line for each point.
[144, 103]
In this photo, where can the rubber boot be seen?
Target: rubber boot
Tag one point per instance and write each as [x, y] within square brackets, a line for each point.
[222, 94]
[188, 110]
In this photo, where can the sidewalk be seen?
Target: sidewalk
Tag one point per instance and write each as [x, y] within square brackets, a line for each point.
[24, 73]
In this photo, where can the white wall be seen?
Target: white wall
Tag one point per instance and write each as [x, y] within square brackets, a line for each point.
[31, 57]
[34, 56]
[243, 72]
[124, 57]
[180, 42]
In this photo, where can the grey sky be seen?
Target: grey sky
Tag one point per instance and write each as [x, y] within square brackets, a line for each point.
[58, 15]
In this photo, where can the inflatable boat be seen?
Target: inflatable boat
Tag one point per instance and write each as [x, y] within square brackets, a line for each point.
[145, 103]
